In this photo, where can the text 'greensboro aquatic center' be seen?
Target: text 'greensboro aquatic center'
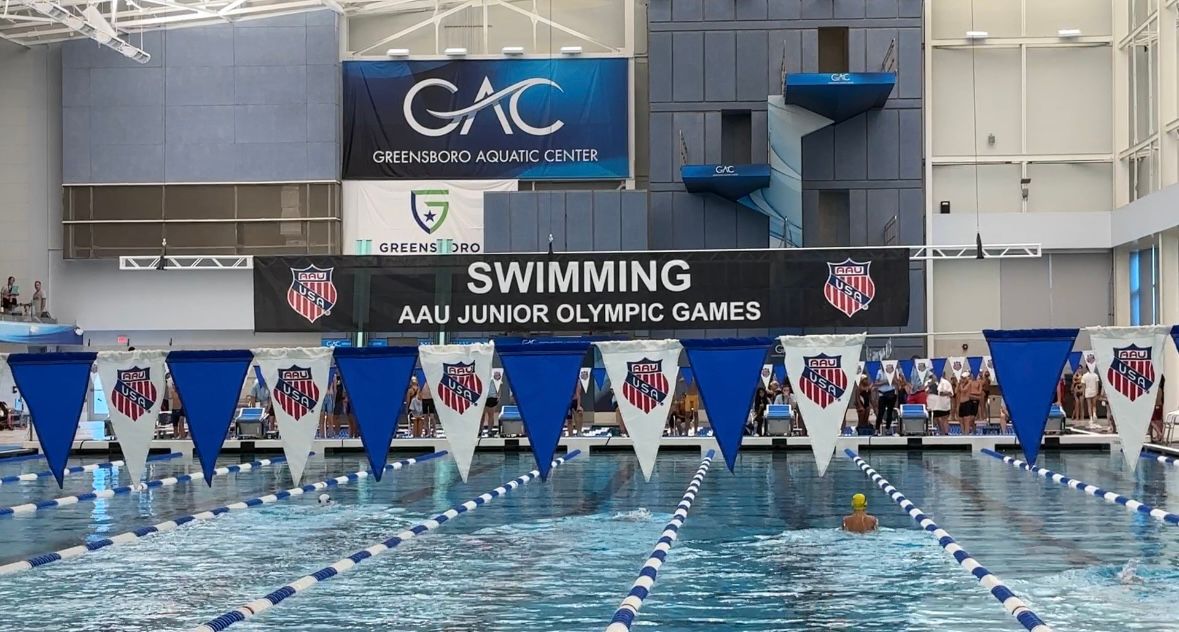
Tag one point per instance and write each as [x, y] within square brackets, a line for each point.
[483, 156]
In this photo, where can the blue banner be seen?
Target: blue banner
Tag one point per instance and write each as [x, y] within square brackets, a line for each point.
[544, 381]
[872, 368]
[780, 372]
[420, 374]
[209, 383]
[599, 377]
[496, 119]
[727, 372]
[1074, 359]
[370, 374]
[53, 386]
[975, 363]
[686, 373]
[1028, 363]
[906, 368]
[939, 366]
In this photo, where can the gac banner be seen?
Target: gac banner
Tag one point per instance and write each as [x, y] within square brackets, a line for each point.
[404, 217]
[488, 118]
[584, 292]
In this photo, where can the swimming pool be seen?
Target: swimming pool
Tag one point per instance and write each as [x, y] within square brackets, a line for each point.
[759, 551]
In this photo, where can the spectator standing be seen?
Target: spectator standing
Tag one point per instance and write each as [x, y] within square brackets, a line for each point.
[944, 390]
[1092, 386]
[37, 305]
[886, 401]
[863, 403]
[1078, 393]
[178, 426]
[9, 295]
[415, 407]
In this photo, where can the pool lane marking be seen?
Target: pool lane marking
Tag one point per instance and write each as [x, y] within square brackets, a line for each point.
[1012, 604]
[1081, 486]
[130, 536]
[32, 476]
[258, 606]
[28, 508]
[624, 617]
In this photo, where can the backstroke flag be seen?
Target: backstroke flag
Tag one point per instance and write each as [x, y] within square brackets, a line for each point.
[297, 379]
[1074, 361]
[905, 367]
[209, 383]
[726, 373]
[975, 365]
[767, 374]
[134, 386]
[599, 377]
[823, 367]
[873, 368]
[1090, 360]
[53, 387]
[1028, 363]
[956, 364]
[890, 370]
[459, 377]
[584, 378]
[988, 365]
[938, 365]
[376, 379]
[780, 373]
[922, 367]
[543, 375]
[1130, 364]
[645, 371]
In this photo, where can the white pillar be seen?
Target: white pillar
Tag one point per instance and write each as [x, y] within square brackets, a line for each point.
[1168, 284]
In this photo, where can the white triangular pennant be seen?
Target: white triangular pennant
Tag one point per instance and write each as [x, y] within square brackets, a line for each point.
[859, 370]
[584, 376]
[134, 385]
[459, 376]
[955, 365]
[988, 365]
[890, 370]
[297, 379]
[1129, 361]
[767, 373]
[1090, 360]
[646, 372]
[922, 367]
[823, 379]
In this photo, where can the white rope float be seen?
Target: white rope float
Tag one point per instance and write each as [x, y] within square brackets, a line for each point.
[38, 561]
[1161, 458]
[1012, 604]
[258, 606]
[32, 476]
[1092, 490]
[624, 617]
[125, 489]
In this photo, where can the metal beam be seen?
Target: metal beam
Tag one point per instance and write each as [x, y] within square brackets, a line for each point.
[181, 262]
[970, 251]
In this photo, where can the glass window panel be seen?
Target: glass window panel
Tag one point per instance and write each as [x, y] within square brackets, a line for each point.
[199, 202]
[271, 201]
[319, 200]
[271, 235]
[140, 237]
[201, 235]
[128, 202]
[76, 202]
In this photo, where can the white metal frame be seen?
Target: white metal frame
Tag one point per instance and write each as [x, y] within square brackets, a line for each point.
[182, 262]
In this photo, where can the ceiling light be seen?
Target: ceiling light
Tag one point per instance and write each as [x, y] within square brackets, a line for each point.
[570, 50]
[513, 50]
[397, 52]
[455, 52]
[977, 35]
[1069, 33]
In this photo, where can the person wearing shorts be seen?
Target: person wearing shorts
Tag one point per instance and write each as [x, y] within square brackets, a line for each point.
[429, 412]
[489, 409]
[941, 402]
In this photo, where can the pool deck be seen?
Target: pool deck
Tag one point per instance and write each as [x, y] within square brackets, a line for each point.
[1079, 440]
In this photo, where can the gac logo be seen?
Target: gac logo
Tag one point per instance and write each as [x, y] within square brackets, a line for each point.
[725, 170]
[486, 97]
[841, 76]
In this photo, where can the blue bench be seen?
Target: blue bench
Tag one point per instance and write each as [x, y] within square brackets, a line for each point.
[779, 419]
[511, 424]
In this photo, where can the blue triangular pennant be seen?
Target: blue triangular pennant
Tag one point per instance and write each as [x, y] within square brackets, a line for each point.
[975, 364]
[939, 366]
[906, 367]
[370, 374]
[872, 368]
[420, 374]
[53, 387]
[1028, 363]
[727, 373]
[1074, 359]
[686, 373]
[209, 383]
[599, 377]
[544, 379]
[780, 372]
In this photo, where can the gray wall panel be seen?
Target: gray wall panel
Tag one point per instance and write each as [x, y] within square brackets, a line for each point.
[75, 87]
[909, 137]
[849, 9]
[554, 204]
[634, 220]
[688, 221]
[270, 46]
[660, 51]
[186, 125]
[659, 11]
[200, 162]
[687, 10]
[719, 10]
[858, 211]
[750, 9]
[497, 222]
[910, 63]
[687, 66]
[753, 230]
[270, 123]
[523, 222]
[720, 49]
[759, 148]
[205, 46]
[817, 9]
[851, 151]
[1024, 292]
[912, 221]
[273, 161]
[200, 85]
[607, 220]
[126, 86]
[712, 137]
[883, 205]
[720, 222]
[882, 9]
[126, 125]
[579, 220]
[265, 85]
[122, 163]
[664, 148]
[856, 51]
[810, 50]
[818, 155]
[661, 233]
[750, 78]
[785, 9]
[883, 129]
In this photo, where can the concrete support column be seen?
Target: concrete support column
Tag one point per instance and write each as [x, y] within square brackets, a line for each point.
[1168, 308]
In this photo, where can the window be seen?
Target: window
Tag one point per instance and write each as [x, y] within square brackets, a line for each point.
[830, 223]
[736, 137]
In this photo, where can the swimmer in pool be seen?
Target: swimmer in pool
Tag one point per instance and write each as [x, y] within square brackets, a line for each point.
[859, 521]
[324, 499]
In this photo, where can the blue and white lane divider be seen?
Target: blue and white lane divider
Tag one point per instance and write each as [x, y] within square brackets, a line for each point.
[624, 617]
[171, 525]
[1092, 490]
[32, 476]
[1155, 456]
[126, 489]
[1012, 604]
[258, 606]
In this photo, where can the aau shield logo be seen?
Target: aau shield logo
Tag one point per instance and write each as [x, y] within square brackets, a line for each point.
[1132, 371]
[460, 388]
[296, 392]
[849, 286]
[133, 394]
[645, 386]
[312, 293]
[430, 208]
[822, 380]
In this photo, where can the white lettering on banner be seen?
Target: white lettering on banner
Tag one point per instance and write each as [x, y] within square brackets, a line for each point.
[573, 276]
[842, 76]
[725, 169]
[614, 313]
[486, 97]
[483, 156]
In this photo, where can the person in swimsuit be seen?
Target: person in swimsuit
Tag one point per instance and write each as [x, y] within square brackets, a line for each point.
[863, 403]
[860, 521]
[429, 412]
[489, 409]
[415, 407]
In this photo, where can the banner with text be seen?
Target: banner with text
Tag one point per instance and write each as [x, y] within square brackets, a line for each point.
[575, 292]
[405, 217]
[487, 118]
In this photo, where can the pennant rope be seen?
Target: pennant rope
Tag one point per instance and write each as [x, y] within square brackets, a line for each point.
[171, 525]
[1092, 490]
[1012, 604]
[32, 476]
[624, 617]
[125, 489]
[258, 606]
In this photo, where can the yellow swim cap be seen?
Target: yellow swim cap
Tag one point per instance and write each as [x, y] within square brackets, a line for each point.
[859, 502]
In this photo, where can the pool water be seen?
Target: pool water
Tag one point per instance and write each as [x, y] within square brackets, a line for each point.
[760, 550]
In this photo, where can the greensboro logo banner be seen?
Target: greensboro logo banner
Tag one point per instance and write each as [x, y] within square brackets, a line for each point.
[459, 376]
[645, 373]
[134, 385]
[1130, 363]
[823, 369]
[297, 379]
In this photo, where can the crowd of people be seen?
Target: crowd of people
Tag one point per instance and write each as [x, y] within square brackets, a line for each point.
[10, 300]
